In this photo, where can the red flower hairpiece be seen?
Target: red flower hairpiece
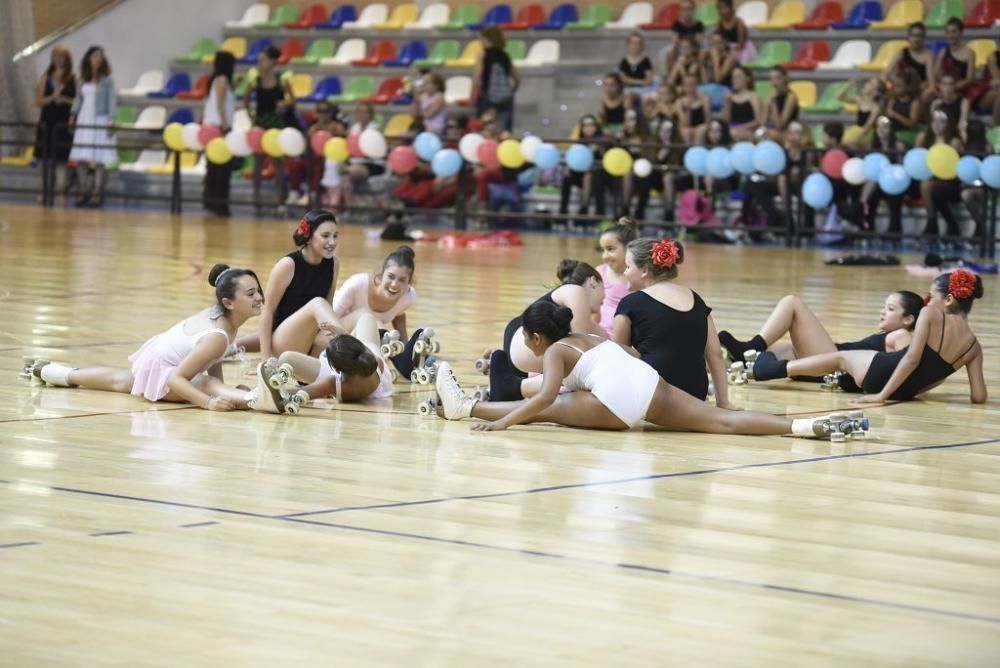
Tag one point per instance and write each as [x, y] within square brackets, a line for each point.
[665, 254]
[303, 229]
[962, 284]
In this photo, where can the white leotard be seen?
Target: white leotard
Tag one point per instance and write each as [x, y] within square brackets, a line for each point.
[384, 388]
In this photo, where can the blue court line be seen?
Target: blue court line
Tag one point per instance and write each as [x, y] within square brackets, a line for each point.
[622, 481]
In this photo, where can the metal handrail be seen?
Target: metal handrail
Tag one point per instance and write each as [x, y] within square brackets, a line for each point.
[53, 37]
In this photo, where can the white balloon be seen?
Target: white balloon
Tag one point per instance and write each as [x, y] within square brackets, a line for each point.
[642, 168]
[468, 146]
[292, 143]
[236, 142]
[854, 171]
[529, 145]
[372, 144]
[189, 133]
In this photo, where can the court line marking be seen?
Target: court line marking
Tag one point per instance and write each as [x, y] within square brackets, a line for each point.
[26, 543]
[623, 481]
[86, 415]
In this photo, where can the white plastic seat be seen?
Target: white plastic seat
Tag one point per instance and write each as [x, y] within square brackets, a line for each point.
[370, 15]
[241, 120]
[542, 52]
[849, 55]
[148, 158]
[350, 49]
[151, 118]
[752, 12]
[431, 17]
[148, 82]
[198, 169]
[457, 89]
[633, 16]
[258, 13]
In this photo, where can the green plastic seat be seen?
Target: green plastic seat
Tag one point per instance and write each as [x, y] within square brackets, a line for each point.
[357, 88]
[828, 102]
[763, 90]
[775, 52]
[127, 155]
[446, 49]
[463, 16]
[284, 14]
[516, 49]
[593, 17]
[203, 47]
[944, 10]
[708, 14]
[126, 115]
[909, 137]
[993, 137]
[321, 48]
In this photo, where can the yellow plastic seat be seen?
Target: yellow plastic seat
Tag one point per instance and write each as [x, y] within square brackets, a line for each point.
[805, 91]
[188, 160]
[983, 48]
[302, 85]
[884, 56]
[401, 16]
[470, 54]
[784, 16]
[23, 160]
[901, 14]
[398, 125]
[853, 134]
[234, 45]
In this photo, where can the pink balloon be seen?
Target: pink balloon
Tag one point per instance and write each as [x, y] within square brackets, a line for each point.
[403, 159]
[319, 140]
[254, 137]
[487, 153]
[354, 145]
[208, 133]
[833, 163]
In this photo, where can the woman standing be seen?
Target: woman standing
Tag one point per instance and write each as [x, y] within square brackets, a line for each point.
[273, 107]
[219, 109]
[55, 94]
[496, 79]
[93, 114]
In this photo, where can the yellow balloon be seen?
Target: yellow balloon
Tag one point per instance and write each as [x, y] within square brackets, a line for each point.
[942, 160]
[335, 148]
[617, 162]
[217, 152]
[509, 153]
[172, 137]
[270, 143]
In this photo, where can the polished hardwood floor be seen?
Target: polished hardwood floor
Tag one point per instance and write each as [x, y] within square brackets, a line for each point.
[163, 535]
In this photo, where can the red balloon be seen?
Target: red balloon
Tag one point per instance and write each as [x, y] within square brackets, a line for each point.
[254, 137]
[487, 153]
[319, 140]
[403, 159]
[354, 146]
[833, 163]
[208, 133]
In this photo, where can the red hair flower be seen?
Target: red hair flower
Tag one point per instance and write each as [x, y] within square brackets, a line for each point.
[962, 284]
[665, 254]
[303, 229]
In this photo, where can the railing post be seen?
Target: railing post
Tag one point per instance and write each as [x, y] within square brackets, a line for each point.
[175, 189]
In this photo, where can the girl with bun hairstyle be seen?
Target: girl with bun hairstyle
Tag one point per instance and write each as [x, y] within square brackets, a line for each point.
[669, 324]
[183, 363]
[612, 245]
[610, 389]
[942, 344]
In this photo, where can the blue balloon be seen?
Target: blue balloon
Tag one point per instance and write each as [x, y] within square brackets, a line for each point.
[446, 163]
[874, 163]
[547, 156]
[893, 180]
[989, 171]
[696, 160]
[915, 164]
[719, 164]
[741, 156]
[968, 169]
[427, 144]
[769, 158]
[579, 158]
[817, 191]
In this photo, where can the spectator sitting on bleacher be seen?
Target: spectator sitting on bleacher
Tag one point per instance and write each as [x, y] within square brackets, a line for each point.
[759, 190]
[271, 104]
[694, 109]
[741, 111]
[871, 103]
[593, 182]
[635, 68]
[429, 104]
[782, 107]
[613, 102]
[719, 61]
[719, 134]
[984, 95]
[734, 32]
[666, 103]
[636, 138]
[686, 26]
[951, 103]
[938, 194]
[666, 162]
[956, 59]
[974, 196]
[903, 107]
[360, 169]
[688, 62]
[916, 58]
[885, 142]
[320, 170]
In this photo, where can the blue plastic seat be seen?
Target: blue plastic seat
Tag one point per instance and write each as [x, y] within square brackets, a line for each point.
[496, 15]
[415, 50]
[716, 93]
[182, 116]
[339, 17]
[937, 46]
[560, 16]
[177, 83]
[255, 50]
[863, 13]
[325, 87]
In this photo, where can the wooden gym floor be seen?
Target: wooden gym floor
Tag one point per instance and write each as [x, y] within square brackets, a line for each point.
[163, 535]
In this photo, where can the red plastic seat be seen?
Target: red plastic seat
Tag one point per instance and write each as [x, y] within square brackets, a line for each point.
[200, 90]
[810, 54]
[310, 16]
[291, 48]
[381, 51]
[665, 18]
[823, 16]
[527, 17]
[984, 14]
[387, 90]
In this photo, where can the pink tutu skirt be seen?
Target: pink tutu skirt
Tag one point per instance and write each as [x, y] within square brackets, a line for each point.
[151, 371]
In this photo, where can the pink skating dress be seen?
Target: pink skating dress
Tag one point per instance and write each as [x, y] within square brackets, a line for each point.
[613, 293]
[153, 363]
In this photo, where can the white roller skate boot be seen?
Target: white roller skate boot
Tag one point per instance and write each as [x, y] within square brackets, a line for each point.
[838, 427]
[455, 404]
[265, 397]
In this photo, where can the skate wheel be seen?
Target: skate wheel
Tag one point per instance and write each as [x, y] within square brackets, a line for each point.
[394, 335]
[420, 348]
[398, 348]
[838, 437]
[415, 376]
[435, 346]
[292, 408]
[394, 374]
[386, 350]
[423, 377]
[428, 332]
[276, 381]
[426, 408]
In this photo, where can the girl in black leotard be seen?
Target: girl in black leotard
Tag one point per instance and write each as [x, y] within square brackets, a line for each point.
[734, 31]
[942, 343]
[741, 110]
[885, 142]
[782, 107]
[870, 101]
[695, 111]
[938, 194]
[719, 61]
[272, 100]
[915, 58]
[688, 62]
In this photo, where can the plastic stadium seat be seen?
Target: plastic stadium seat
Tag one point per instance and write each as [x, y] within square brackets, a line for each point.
[516, 49]
[254, 15]
[183, 116]
[805, 91]
[937, 46]
[593, 17]
[338, 18]
[431, 17]
[983, 48]
[369, 17]
[203, 47]
[151, 118]
[351, 49]
[457, 90]
[148, 82]
[398, 125]
[665, 18]
[284, 14]
[290, 49]
[542, 52]
[321, 48]
[632, 17]
[234, 45]
[470, 54]
[775, 52]
[401, 16]
[863, 14]
[258, 46]
[993, 138]
[716, 93]
[848, 56]
[188, 161]
[708, 14]
[852, 134]
[24, 159]
[380, 51]
[944, 10]
[784, 16]
[126, 115]
[357, 88]
[495, 16]
[302, 84]
[465, 15]
[809, 56]
[325, 87]
[828, 101]
[177, 83]
[410, 52]
[147, 159]
[559, 16]
[387, 90]
[444, 50]
[984, 14]
[526, 18]
[199, 91]
[763, 88]
[884, 56]
[901, 14]
[310, 16]
[752, 12]
[823, 16]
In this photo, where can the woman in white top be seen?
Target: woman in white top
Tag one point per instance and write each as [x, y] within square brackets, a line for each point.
[219, 109]
[92, 118]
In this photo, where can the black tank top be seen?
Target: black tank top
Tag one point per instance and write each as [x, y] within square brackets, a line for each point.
[901, 107]
[696, 115]
[911, 63]
[267, 100]
[953, 66]
[670, 341]
[863, 117]
[731, 35]
[613, 115]
[779, 104]
[874, 342]
[741, 112]
[308, 281]
[953, 108]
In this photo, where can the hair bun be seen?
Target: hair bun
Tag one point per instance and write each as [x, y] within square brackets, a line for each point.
[407, 251]
[216, 271]
[563, 316]
[566, 269]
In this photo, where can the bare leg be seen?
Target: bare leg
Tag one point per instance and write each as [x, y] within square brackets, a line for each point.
[791, 316]
[573, 409]
[105, 378]
[216, 388]
[674, 408]
[249, 342]
[304, 367]
[366, 330]
[853, 362]
[300, 330]
[783, 351]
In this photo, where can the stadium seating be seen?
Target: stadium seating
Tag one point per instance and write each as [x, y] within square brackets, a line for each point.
[592, 18]
[901, 14]
[369, 17]
[349, 50]
[338, 18]
[148, 82]
[708, 14]
[284, 14]
[462, 17]
[319, 49]
[809, 56]
[805, 91]
[457, 90]
[516, 49]
[311, 16]
[431, 17]
[985, 14]
[197, 92]
[411, 51]
[983, 48]
[151, 118]
[542, 52]
[177, 83]
[883, 56]
[527, 17]
[944, 10]
[440, 52]
[775, 52]
[401, 16]
[398, 125]
[387, 90]
[356, 88]
[203, 47]
[325, 88]
[470, 54]
[254, 15]
[752, 13]
[301, 84]
[234, 45]
[559, 17]
[665, 18]
[291, 49]
[495, 16]
[829, 101]
[784, 16]
[379, 52]
[823, 16]
[860, 16]
[632, 17]
[848, 56]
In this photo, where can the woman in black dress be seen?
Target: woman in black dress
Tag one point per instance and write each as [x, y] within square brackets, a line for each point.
[54, 95]
[273, 107]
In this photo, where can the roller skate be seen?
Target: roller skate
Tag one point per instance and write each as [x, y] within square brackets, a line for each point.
[838, 427]
[266, 397]
[740, 372]
[425, 343]
[482, 365]
[481, 394]
[391, 345]
[32, 368]
[295, 401]
[281, 374]
[428, 407]
[49, 373]
[831, 382]
[426, 373]
[454, 403]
